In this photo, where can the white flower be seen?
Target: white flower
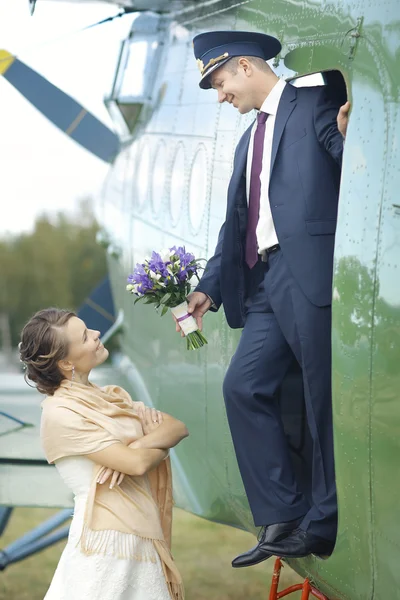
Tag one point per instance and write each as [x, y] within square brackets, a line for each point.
[154, 275]
[133, 288]
[165, 255]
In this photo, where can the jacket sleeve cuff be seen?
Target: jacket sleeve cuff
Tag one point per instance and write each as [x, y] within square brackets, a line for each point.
[213, 305]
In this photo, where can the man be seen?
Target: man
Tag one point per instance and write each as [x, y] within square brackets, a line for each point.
[272, 271]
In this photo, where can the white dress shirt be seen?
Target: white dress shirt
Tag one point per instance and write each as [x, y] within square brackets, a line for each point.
[266, 234]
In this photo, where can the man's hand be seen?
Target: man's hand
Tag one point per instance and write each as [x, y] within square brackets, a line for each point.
[343, 118]
[198, 305]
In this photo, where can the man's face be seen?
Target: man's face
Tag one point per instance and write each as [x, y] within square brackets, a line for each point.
[234, 88]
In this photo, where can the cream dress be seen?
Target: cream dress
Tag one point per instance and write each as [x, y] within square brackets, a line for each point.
[101, 577]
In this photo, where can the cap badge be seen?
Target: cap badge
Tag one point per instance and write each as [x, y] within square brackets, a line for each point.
[200, 65]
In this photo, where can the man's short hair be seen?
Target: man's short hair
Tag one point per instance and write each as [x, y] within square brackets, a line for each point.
[232, 64]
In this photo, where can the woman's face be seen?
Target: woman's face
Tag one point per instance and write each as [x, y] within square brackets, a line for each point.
[85, 351]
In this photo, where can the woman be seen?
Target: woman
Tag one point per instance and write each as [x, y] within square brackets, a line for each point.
[113, 454]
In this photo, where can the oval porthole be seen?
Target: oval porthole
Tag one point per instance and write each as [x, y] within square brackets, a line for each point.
[143, 176]
[198, 188]
[177, 184]
[159, 177]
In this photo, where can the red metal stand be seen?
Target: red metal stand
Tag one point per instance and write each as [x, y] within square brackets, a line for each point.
[306, 588]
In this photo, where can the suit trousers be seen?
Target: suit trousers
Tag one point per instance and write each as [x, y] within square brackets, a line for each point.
[281, 322]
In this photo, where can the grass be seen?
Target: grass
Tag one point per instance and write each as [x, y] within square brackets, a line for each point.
[202, 550]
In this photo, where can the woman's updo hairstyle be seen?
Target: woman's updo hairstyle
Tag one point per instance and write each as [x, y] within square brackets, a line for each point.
[42, 347]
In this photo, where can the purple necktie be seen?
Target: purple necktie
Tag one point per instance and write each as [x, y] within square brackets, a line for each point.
[255, 189]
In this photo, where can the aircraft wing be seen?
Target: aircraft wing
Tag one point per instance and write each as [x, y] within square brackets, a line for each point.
[98, 309]
[26, 477]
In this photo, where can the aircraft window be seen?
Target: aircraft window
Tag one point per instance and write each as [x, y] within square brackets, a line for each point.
[142, 175]
[136, 72]
[133, 79]
[177, 184]
[159, 177]
[198, 188]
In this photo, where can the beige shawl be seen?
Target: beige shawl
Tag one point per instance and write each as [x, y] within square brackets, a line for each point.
[80, 419]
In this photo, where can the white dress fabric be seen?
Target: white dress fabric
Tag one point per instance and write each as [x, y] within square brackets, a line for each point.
[101, 577]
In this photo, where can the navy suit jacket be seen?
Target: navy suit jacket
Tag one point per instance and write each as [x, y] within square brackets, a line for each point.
[304, 183]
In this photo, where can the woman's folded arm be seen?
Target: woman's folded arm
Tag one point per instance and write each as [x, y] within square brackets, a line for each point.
[131, 461]
[167, 435]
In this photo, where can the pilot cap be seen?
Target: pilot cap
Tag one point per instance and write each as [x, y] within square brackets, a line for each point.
[214, 48]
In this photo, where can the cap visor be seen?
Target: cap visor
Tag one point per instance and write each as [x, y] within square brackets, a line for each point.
[204, 81]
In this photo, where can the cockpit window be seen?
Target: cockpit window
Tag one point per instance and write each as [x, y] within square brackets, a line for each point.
[134, 80]
[137, 68]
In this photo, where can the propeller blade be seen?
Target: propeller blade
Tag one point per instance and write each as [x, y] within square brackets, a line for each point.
[60, 109]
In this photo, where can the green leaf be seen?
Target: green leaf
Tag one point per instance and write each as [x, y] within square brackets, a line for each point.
[165, 298]
[164, 310]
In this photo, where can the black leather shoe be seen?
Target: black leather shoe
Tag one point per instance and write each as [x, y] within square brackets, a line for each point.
[300, 544]
[269, 534]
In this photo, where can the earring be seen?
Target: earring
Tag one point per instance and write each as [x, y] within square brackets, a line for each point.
[73, 375]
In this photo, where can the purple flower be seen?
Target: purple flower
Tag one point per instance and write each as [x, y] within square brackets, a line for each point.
[182, 275]
[157, 265]
[185, 258]
[140, 278]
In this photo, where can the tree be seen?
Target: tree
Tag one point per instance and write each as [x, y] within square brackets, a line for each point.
[58, 264]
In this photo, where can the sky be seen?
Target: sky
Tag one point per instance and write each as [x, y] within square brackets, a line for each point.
[41, 169]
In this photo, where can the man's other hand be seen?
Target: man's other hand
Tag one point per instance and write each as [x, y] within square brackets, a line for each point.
[343, 118]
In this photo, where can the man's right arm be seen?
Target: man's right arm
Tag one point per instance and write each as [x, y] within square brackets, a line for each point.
[210, 282]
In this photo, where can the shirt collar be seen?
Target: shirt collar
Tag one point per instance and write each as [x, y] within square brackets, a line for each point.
[271, 102]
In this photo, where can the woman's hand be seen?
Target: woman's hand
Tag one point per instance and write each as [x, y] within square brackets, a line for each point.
[151, 420]
[139, 407]
[105, 474]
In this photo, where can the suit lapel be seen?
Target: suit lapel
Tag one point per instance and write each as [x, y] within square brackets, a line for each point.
[285, 108]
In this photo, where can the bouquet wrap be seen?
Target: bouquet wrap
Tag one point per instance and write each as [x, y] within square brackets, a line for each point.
[186, 322]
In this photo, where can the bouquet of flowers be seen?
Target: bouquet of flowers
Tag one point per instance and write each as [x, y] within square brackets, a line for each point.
[164, 280]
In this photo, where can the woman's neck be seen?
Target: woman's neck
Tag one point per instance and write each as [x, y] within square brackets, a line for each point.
[82, 378]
